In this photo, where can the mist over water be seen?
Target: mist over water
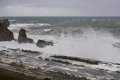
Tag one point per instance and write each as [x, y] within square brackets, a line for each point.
[90, 44]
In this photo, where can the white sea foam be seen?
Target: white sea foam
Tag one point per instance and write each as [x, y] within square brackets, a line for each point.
[94, 20]
[111, 67]
[91, 46]
[47, 30]
[23, 25]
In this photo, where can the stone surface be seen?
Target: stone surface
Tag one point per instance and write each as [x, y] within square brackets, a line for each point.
[6, 22]
[22, 38]
[5, 33]
[42, 43]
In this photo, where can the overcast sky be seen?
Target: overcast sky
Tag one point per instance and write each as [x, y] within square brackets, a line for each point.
[59, 7]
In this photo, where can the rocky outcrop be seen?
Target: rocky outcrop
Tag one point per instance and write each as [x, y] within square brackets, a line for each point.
[42, 43]
[5, 33]
[6, 22]
[22, 38]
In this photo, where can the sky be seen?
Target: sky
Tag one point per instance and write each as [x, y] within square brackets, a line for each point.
[59, 7]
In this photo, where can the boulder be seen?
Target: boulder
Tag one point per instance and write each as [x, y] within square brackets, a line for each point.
[5, 33]
[22, 38]
[42, 43]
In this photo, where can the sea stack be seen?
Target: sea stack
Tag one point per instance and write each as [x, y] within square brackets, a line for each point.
[5, 33]
[22, 38]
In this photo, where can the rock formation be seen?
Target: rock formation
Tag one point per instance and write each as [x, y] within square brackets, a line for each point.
[42, 43]
[22, 38]
[5, 33]
[6, 22]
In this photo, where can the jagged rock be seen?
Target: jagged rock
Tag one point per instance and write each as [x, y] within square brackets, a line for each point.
[88, 61]
[5, 33]
[42, 43]
[6, 22]
[22, 38]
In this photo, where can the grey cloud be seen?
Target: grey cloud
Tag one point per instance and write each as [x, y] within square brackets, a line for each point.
[40, 3]
[76, 7]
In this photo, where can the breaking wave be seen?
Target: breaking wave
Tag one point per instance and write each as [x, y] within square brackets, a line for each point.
[26, 25]
[91, 44]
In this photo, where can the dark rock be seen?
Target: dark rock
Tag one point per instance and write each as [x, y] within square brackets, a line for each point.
[42, 43]
[5, 33]
[6, 22]
[88, 61]
[47, 59]
[29, 40]
[29, 51]
[22, 38]
[40, 58]
[117, 71]
[60, 61]
[47, 79]
[15, 75]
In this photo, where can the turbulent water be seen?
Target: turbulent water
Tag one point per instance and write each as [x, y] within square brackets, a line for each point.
[87, 37]
[95, 38]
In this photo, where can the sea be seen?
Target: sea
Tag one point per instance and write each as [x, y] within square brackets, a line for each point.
[96, 38]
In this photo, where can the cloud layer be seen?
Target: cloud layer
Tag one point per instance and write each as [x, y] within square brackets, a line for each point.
[59, 8]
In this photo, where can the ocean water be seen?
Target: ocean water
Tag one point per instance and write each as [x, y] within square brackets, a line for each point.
[87, 37]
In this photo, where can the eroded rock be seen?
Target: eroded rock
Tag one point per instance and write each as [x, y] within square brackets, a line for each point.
[22, 38]
[6, 22]
[5, 33]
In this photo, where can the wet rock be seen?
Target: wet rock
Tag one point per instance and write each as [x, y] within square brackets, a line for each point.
[47, 59]
[6, 22]
[118, 71]
[22, 38]
[60, 61]
[88, 61]
[47, 79]
[64, 76]
[29, 51]
[5, 33]
[42, 43]
[40, 58]
[29, 40]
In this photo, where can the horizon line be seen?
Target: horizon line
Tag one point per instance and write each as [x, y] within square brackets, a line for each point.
[59, 16]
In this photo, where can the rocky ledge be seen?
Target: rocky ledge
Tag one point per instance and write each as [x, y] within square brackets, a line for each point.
[16, 71]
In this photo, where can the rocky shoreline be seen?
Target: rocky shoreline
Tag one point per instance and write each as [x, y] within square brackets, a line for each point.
[7, 35]
[57, 67]
[17, 71]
